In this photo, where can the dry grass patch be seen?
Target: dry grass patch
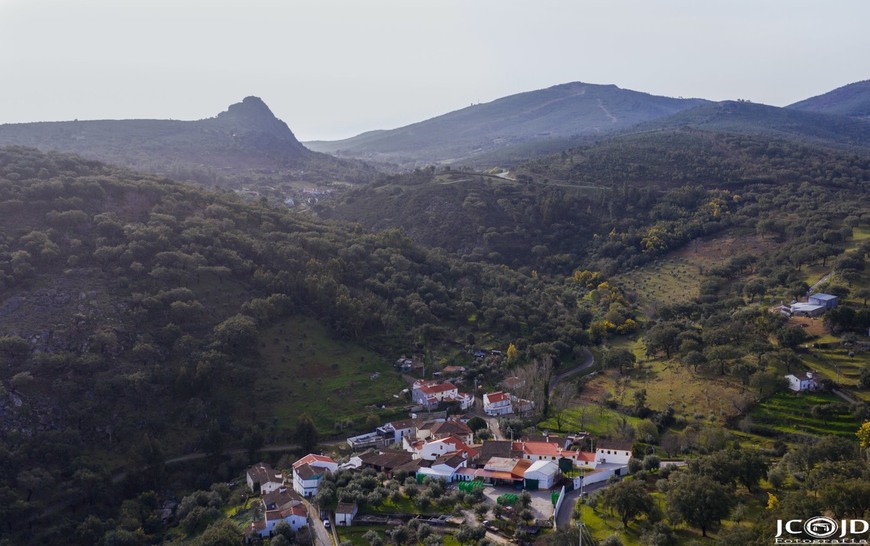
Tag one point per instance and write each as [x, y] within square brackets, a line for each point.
[677, 277]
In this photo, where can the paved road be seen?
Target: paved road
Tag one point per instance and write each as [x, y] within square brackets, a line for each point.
[563, 518]
[315, 520]
[491, 422]
[241, 451]
[588, 361]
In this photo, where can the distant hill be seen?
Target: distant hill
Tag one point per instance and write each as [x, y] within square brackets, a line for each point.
[239, 146]
[559, 210]
[567, 110]
[739, 117]
[851, 100]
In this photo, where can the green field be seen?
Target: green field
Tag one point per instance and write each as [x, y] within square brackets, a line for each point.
[403, 506]
[791, 413]
[669, 382]
[837, 365]
[677, 276]
[595, 419]
[672, 279]
[306, 370]
[355, 534]
[601, 524]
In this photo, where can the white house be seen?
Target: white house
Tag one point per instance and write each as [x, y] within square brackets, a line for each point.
[308, 472]
[802, 381]
[263, 479]
[541, 475]
[345, 512]
[395, 431]
[281, 505]
[431, 393]
[546, 451]
[430, 451]
[608, 452]
[445, 467]
[497, 403]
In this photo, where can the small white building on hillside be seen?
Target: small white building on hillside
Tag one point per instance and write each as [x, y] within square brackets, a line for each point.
[262, 479]
[802, 381]
[345, 512]
[614, 453]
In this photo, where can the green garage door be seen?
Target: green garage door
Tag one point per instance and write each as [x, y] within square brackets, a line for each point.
[531, 484]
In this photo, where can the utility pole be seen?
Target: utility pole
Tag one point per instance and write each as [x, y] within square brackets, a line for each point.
[580, 517]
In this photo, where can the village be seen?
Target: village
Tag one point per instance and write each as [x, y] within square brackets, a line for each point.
[431, 446]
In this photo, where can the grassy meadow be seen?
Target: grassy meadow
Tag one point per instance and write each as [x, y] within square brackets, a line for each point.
[677, 276]
[601, 523]
[337, 383]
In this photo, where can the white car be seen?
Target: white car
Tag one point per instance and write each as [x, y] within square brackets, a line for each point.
[326, 523]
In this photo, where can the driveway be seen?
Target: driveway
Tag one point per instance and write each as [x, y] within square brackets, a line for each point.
[563, 519]
[542, 506]
[321, 535]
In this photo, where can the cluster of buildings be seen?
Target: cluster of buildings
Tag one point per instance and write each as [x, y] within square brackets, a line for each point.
[443, 448]
[529, 464]
[816, 304]
[282, 503]
[437, 448]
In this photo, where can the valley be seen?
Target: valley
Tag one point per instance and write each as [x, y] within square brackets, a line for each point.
[181, 302]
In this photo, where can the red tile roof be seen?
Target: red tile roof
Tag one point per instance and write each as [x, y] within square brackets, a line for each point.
[493, 397]
[435, 389]
[546, 449]
[312, 459]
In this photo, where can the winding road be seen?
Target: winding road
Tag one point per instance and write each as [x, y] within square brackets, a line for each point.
[588, 361]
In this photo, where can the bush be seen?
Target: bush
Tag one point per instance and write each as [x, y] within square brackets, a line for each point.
[612, 540]
[651, 462]
[659, 535]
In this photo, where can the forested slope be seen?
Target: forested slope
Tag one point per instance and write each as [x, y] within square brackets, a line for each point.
[609, 206]
[132, 312]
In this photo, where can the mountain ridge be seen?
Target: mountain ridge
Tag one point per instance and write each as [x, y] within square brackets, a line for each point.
[558, 111]
[743, 117]
[852, 100]
[245, 144]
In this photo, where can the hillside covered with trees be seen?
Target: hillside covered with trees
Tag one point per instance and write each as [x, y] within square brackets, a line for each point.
[134, 313]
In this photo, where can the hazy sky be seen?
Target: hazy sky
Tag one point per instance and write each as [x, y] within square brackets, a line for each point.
[334, 68]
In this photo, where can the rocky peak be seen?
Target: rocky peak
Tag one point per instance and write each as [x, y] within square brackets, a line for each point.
[253, 118]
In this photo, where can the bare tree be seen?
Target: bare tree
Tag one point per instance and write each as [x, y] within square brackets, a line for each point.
[563, 398]
[533, 380]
